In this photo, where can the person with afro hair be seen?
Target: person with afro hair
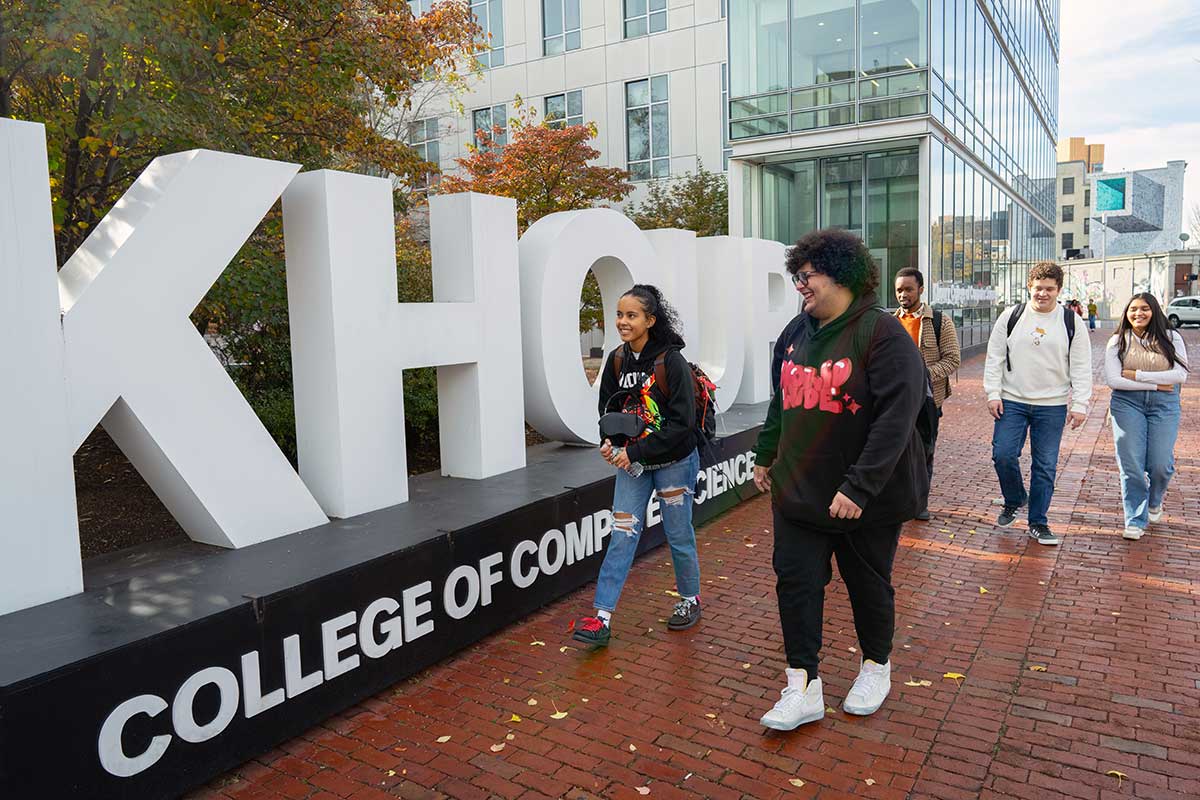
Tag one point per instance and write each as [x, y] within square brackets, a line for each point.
[845, 466]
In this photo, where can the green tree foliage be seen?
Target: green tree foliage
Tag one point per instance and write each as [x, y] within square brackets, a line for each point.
[698, 201]
[119, 82]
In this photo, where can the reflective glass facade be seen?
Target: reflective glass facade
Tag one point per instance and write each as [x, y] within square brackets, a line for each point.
[804, 64]
[966, 194]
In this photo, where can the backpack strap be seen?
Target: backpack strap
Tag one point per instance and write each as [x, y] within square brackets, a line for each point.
[938, 319]
[1069, 321]
[660, 374]
[1017, 311]
[618, 361]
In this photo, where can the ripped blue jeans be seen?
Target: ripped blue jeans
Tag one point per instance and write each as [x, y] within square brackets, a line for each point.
[676, 486]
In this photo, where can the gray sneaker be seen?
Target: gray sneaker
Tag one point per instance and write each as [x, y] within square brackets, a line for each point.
[1007, 516]
[687, 614]
[1042, 534]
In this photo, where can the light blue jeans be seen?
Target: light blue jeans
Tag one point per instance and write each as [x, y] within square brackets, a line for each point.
[1144, 425]
[630, 498]
[1045, 427]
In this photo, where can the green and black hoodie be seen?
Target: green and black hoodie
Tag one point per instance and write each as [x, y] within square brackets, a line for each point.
[671, 415]
[843, 420]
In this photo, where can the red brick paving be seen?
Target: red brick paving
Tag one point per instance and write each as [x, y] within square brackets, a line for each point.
[1114, 623]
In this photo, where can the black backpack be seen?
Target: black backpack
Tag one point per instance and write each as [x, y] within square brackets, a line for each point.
[704, 389]
[1019, 309]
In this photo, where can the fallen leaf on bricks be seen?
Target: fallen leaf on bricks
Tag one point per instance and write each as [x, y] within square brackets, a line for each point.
[869, 781]
[711, 716]
[952, 536]
[496, 748]
[853, 649]
[673, 594]
[443, 739]
[796, 782]
[685, 777]
[1036, 668]
[643, 790]
[749, 544]
[509, 737]
[507, 680]
[982, 590]
[536, 643]
[514, 718]
[958, 583]
[915, 682]
[943, 530]
[531, 702]
[1116, 613]
[1120, 776]
[722, 578]
[633, 748]
[955, 676]
[830, 710]
[557, 714]
[618, 676]
[584, 699]
[391, 773]
[745, 666]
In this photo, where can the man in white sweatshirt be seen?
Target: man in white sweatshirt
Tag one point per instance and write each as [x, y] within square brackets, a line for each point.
[1034, 367]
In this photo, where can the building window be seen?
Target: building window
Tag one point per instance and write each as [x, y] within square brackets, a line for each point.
[420, 7]
[1087, 225]
[560, 26]
[423, 137]
[564, 109]
[490, 16]
[647, 128]
[488, 120]
[645, 16]
[726, 150]
[1068, 214]
[1068, 241]
[1087, 198]
[892, 36]
[1068, 186]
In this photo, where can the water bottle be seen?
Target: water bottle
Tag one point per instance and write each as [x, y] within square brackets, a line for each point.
[635, 468]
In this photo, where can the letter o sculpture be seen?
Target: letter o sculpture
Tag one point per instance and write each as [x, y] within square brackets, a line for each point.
[556, 253]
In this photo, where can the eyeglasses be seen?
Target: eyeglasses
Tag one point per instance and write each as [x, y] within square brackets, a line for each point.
[802, 278]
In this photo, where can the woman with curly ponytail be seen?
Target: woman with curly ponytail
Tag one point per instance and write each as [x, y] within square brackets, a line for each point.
[651, 379]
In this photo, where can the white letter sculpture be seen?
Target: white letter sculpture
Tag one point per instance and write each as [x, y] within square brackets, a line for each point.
[39, 536]
[556, 253]
[722, 278]
[770, 305]
[136, 364]
[351, 339]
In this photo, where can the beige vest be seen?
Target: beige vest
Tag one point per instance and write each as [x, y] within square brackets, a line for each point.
[1142, 354]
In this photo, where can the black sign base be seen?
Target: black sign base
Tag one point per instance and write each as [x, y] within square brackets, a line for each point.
[181, 661]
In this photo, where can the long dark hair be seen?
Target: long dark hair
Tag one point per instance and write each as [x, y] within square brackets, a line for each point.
[1157, 330]
[665, 329]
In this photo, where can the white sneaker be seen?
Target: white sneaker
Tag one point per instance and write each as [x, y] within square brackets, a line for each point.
[1155, 514]
[802, 701]
[870, 688]
[1132, 532]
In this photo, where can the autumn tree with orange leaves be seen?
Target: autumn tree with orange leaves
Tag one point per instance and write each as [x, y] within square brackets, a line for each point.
[546, 169]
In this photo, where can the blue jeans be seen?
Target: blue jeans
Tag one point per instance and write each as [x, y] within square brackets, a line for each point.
[630, 499]
[1144, 428]
[1045, 426]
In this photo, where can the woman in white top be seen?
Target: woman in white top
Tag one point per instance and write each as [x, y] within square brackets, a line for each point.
[1144, 363]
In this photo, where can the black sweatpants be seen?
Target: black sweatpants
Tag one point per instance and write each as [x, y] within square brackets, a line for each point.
[931, 444]
[803, 567]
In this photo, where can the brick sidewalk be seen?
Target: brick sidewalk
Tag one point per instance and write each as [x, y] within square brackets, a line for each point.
[1115, 624]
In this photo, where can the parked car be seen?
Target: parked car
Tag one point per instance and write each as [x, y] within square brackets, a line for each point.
[1183, 311]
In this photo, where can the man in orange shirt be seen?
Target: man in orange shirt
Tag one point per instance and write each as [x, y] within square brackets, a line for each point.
[937, 340]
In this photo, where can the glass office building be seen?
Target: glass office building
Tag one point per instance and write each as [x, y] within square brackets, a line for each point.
[927, 127]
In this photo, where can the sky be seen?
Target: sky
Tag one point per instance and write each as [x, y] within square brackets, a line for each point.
[1130, 80]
